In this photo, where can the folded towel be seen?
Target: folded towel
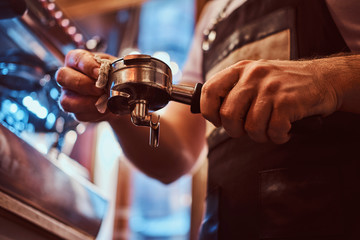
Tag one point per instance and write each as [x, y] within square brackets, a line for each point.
[102, 81]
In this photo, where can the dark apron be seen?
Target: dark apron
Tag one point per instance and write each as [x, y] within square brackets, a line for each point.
[305, 189]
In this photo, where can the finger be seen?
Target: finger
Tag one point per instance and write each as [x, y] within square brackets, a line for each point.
[105, 56]
[89, 117]
[279, 127]
[214, 91]
[257, 120]
[75, 103]
[233, 111]
[76, 81]
[83, 61]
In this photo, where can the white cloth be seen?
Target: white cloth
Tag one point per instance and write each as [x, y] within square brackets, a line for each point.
[102, 82]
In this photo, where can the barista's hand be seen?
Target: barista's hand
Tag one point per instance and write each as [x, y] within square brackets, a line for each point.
[77, 80]
[262, 98]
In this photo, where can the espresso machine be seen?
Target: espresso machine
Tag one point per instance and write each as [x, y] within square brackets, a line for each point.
[38, 199]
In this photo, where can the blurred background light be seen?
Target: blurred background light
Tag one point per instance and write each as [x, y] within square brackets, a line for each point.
[35, 107]
[163, 56]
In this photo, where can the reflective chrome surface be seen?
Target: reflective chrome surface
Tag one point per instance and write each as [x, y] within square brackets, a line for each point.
[36, 181]
[141, 84]
[139, 77]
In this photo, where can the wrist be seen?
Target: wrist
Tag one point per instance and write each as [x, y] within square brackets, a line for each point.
[342, 74]
[327, 71]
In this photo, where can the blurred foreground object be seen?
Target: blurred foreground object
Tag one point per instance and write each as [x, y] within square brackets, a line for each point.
[43, 193]
[38, 199]
[35, 36]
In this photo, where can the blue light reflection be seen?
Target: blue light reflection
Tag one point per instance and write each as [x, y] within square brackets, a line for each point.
[35, 107]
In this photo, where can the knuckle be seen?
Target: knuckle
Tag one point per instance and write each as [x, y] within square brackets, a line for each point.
[74, 57]
[234, 133]
[272, 87]
[206, 90]
[256, 69]
[77, 59]
[277, 133]
[245, 91]
[243, 63]
[285, 99]
[77, 83]
[282, 100]
[70, 55]
[64, 104]
[275, 129]
[232, 123]
[74, 52]
[213, 88]
[256, 133]
[273, 132]
[234, 129]
[275, 136]
[251, 129]
[226, 113]
[60, 76]
[253, 66]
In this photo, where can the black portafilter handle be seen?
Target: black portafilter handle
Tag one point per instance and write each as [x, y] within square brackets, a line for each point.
[186, 94]
[195, 100]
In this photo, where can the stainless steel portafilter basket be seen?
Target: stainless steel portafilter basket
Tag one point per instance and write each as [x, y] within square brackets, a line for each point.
[140, 85]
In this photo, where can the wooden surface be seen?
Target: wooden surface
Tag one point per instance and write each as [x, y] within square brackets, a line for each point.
[123, 201]
[84, 150]
[84, 8]
[20, 220]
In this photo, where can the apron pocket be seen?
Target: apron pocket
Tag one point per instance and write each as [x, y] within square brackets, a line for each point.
[304, 202]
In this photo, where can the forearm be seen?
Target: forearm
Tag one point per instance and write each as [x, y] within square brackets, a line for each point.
[176, 154]
[182, 133]
[343, 72]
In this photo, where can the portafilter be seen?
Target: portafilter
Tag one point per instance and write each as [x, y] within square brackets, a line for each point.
[140, 85]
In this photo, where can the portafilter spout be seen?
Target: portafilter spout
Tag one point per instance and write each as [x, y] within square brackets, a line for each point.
[140, 85]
